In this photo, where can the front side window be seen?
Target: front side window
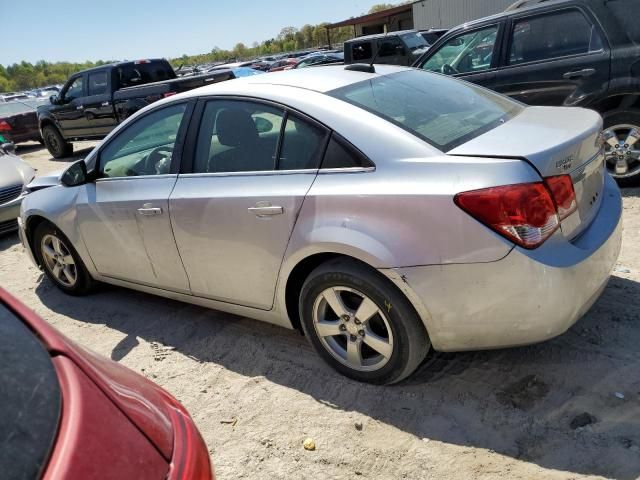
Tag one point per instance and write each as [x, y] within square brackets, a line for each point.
[97, 83]
[467, 53]
[145, 147]
[553, 36]
[439, 110]
[75, 90]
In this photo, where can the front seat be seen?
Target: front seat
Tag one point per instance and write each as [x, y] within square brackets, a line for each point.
[236, 129]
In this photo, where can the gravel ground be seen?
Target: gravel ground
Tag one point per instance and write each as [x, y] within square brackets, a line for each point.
[257, 391]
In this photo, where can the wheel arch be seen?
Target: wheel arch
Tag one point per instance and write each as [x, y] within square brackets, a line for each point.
[30, 227]
[617, 102]
[304, 266]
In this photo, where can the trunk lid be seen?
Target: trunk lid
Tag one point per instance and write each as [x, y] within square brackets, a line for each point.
[555, 141]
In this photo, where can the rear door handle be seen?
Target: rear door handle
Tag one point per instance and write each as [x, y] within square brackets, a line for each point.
[148, 210]
[105, 104]
[265, 209]
[80, 107]
[586, 72]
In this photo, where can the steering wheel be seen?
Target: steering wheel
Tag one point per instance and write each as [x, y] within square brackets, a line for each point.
[448, 69]
[158, 161]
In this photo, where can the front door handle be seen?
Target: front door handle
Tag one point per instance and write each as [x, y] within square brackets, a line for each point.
[586, 72]
[265, 209]
[80, 107]
[148, 210]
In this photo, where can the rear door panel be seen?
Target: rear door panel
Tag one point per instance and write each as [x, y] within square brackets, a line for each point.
[230, 253]
[553, 81]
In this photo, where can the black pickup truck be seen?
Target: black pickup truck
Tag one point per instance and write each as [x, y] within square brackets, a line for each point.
[94, 101]
[581, 53]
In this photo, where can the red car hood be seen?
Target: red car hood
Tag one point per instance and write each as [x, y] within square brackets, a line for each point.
[138, 398]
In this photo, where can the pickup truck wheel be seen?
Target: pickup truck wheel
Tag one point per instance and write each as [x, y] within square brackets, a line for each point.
[58, 147]
[622, 147]
[360, 324]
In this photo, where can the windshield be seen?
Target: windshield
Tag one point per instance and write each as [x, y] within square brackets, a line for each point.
[441, 111]
[414, 41]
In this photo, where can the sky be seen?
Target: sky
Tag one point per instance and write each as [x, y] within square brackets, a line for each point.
[79, 30]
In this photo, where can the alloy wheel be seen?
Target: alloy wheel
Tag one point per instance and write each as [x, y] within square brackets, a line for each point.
[59, 261]
[621, 152]
[352, 328]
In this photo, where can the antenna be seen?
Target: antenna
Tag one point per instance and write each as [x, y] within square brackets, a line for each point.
[375, 57]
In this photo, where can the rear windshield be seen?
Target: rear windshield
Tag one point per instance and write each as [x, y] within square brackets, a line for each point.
[414, 41]
[133, 74]
[13, 108]
[440, 110]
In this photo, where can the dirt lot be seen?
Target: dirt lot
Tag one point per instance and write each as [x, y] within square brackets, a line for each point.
[257, 391]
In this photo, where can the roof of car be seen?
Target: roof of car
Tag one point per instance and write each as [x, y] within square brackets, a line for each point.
[507, 13]
[321, 79]
[381, 35]
[118, 64]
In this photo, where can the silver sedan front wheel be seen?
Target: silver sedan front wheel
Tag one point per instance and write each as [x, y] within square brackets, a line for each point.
[353, 329]
[59, 260]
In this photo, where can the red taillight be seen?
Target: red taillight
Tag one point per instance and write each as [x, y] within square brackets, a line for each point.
[561, 188]
[523, 213]
[4, 126]
[190, 459]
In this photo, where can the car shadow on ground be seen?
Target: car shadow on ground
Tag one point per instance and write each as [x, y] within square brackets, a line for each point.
[630, 192]
[525, 403]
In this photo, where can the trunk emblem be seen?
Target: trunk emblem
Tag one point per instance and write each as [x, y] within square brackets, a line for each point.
[565, 163]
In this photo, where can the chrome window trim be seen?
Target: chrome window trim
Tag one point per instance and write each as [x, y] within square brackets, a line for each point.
[325, 171]
[257, 173]
[136, 177]
[270, 173]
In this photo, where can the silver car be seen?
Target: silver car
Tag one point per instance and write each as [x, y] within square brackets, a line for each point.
[14, 175]
[383, 213]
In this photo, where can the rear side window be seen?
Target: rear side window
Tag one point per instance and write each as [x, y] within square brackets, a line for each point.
[340, 154]
[133, 74]
[361, 51]
[621, 11]
[302, 145]
[553, 36]
[97, 83]
[389, 47]
[238, 136]
[441, 111]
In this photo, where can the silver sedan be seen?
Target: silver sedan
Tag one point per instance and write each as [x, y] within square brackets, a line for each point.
[382, 212]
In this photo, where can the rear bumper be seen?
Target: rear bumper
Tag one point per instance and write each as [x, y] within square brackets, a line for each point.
[527, 297]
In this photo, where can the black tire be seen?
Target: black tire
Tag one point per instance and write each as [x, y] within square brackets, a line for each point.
[410, 340]
[624, 117]
[84, 283]
[58, 147]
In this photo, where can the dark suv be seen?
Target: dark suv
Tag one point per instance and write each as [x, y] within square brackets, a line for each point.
[394, 48]
[582, 53]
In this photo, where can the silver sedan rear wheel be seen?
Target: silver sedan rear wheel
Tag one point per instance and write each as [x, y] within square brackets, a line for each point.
[59, 260]
[622, 150]
[353, 329]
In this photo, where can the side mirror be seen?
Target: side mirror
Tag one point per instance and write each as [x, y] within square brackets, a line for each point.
[8, 148]
[53, 99]
[75, 175]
